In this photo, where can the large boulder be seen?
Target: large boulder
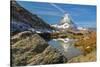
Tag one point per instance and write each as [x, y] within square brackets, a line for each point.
[32, 50]
[49, 56]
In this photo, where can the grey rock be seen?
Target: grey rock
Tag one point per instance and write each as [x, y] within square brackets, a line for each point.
[49, 56]
[34, 50]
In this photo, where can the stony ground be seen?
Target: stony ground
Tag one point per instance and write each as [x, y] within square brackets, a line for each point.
[31, 49]
[90, 57]
[87, 44]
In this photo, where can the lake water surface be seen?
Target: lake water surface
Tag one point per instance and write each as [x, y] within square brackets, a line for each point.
[66, 47]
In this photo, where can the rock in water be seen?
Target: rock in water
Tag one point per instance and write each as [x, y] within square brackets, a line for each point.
[33, 50]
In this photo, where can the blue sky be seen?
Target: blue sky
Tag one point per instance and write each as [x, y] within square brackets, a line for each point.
[82, 15]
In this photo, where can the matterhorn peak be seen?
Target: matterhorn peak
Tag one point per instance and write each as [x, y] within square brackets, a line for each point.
[66, 19]
[65, 23]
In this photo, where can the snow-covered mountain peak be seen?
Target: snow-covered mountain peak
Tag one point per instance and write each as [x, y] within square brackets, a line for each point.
[65, 23]
[66, 19]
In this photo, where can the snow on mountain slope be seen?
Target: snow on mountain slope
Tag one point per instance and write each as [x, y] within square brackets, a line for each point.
[65, 23]
[65, 19]
[81, 28]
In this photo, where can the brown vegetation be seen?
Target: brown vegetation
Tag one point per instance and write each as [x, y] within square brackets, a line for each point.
[90, 57]
[87, 43]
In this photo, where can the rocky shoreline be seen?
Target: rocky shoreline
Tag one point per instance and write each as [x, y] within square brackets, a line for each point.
[33, 50]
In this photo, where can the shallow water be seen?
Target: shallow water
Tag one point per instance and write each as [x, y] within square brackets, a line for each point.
[66, 47]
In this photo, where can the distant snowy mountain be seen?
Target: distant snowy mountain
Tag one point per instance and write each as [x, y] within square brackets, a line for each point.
[66, 19]
[65, 24]
[82, 28]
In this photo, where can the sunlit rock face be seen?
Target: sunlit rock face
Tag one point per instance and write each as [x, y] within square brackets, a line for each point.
[31, 49]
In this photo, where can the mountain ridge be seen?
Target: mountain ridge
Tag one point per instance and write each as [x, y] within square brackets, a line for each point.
[22, 17]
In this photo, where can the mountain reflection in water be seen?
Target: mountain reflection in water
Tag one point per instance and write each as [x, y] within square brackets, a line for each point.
[66, 47]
